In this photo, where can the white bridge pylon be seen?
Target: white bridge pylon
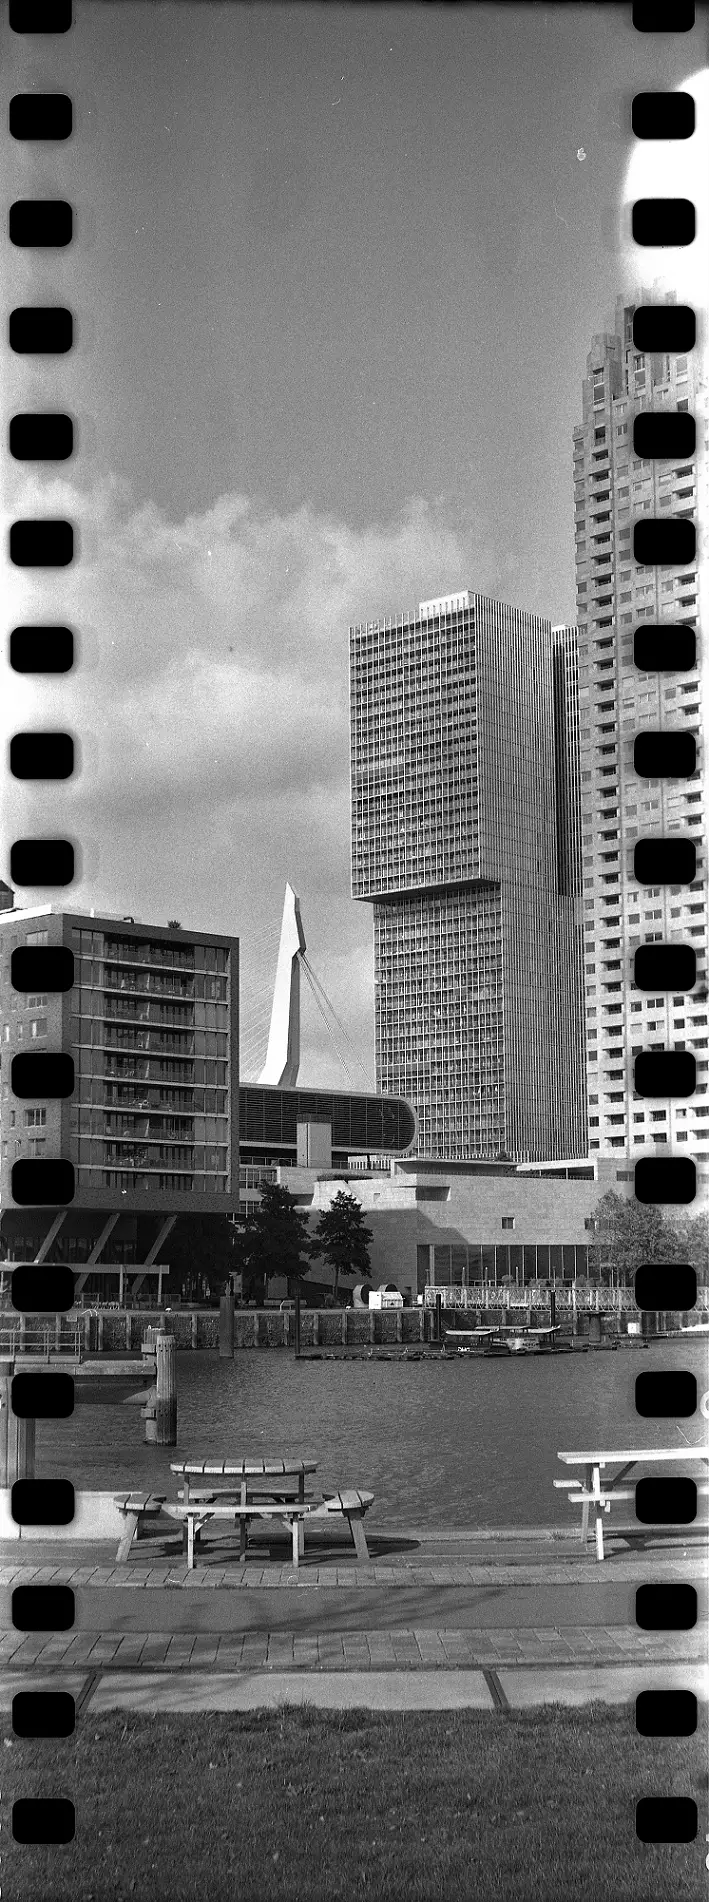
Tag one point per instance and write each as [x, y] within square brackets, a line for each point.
[283, 1052]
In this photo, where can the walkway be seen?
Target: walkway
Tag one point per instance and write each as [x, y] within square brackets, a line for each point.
[497, 1626]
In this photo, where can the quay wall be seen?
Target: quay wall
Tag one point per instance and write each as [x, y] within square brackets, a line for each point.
[95, 1517]
[121, 1331]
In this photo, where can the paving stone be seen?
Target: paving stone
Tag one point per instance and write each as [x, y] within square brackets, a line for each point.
[154, 1652]
[104, 1651]
[205, 1649]
[56, 1646]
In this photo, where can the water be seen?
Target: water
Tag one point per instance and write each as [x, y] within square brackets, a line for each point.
[439, 1443]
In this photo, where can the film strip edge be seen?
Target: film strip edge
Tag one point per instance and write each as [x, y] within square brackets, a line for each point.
[45, 226]
[657, 1074]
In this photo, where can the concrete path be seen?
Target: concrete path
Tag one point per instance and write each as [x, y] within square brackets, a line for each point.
[501, 1690]
[345, 1608]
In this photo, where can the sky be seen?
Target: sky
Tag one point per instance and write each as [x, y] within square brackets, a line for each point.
[335, 277]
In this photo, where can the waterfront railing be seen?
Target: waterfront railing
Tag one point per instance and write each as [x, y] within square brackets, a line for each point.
[40, 1342]
[570, 1298]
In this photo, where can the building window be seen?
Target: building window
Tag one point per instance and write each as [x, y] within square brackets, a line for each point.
[508, 1221]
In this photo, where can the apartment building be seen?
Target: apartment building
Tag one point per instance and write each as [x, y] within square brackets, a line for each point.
[621, 695]
[152, 1025]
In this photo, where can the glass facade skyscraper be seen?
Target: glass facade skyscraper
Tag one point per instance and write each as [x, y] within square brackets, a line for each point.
[614, 488]
[465, 842]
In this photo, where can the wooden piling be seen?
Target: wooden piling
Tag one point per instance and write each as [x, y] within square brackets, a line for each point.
[226, 1327]
[17, 1439]
[166, 1410]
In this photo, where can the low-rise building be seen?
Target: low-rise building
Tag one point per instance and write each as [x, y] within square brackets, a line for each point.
[456, 1225]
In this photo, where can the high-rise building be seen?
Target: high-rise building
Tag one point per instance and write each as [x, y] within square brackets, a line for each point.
[464, 831]
[615, 488]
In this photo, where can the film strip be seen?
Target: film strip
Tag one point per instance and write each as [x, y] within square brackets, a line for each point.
[41, 120]
[663, 1075]
[47, 225]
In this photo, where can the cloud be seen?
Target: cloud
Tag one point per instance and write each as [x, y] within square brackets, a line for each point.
[216, 647]
[210, 705]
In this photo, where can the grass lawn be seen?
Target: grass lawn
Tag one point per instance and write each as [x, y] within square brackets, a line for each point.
[307, 1806]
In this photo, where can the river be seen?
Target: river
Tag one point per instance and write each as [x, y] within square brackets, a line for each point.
[439, 1443]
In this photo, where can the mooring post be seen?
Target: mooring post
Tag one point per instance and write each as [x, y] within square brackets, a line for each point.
[17, 1437]
[166, 1382]
[226, 1327]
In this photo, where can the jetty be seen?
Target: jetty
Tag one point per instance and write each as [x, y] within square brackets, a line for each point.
[32, 1366]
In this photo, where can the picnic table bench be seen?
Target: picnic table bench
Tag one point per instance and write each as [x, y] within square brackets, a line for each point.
[599, 1485]
[272, 1479]
[261, 1490]
[136, 1508]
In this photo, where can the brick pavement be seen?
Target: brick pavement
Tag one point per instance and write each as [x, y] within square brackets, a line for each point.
[581, 1571]
[514, 1656]
[410, 1649]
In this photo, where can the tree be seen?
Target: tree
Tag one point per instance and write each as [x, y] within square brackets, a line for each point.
[629, 1233]
[692, 1232]
[342, 1238]
[199, 1245]
[273, 1238]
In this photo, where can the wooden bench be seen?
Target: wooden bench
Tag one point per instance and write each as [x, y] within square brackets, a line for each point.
[579, 1495]
[350, 1505]
[135, 1508]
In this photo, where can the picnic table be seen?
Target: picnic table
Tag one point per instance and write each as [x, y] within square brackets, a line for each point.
[248, 1488]
[604, 1473]
[244, 1491]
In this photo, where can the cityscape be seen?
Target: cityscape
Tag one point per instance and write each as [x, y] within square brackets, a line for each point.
[495, 806]
[354, 1107]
